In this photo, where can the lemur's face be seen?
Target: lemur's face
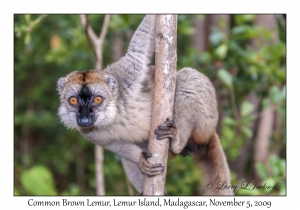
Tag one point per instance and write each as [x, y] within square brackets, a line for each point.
[86, 100]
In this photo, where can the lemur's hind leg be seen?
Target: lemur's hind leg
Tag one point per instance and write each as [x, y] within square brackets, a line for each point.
[134, 174]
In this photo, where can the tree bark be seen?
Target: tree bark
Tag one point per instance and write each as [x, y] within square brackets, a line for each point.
[270, 23]
[261, 147]
[200, 37]
[214, 21]
[203, 27]
[97, 44]
[265, 125]
[162, 108]
[117, 47]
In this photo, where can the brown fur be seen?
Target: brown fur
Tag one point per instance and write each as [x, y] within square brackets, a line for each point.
[91, 76]
[199, 137]
[212, 161]
[76, 77]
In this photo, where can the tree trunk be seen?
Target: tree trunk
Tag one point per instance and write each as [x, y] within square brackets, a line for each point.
[265, 125]
[203, 27]
[215, 21]
[117, 47]
[162, 108]
[261, 147]
[99, 159]
[200, 37]
[270, 23]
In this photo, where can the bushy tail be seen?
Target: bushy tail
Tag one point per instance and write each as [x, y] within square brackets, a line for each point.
[212, 162]
[142, 44]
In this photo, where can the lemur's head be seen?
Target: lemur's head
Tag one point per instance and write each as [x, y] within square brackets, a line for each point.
[87, 99]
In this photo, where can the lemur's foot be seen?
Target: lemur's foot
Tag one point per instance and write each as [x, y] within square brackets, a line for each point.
[189, 149]
[166, 130]
[148, 168]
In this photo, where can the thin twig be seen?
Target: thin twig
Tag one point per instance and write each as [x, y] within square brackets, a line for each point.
[91, 35]
[236, 112]
[104, 28]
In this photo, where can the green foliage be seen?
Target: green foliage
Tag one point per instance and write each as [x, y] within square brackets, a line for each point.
[57, 46]
[52, 160]
[246, 108]
[38, 181]
[225, 77]
[184, 172]
[272, 177]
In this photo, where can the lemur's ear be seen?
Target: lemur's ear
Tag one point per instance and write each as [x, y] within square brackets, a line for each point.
[112, 83]
[60, 84]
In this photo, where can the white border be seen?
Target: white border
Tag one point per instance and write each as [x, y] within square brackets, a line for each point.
[8, 8]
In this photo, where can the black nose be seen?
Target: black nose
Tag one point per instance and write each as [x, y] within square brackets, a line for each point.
[85, 121]
[85, 118]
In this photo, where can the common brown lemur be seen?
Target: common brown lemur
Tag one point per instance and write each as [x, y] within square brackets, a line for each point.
[112, 108]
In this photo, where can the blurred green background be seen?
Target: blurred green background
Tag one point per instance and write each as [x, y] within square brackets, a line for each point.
[243, 55]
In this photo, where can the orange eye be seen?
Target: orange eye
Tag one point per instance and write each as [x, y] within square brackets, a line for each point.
[98, 100]
[73, 101]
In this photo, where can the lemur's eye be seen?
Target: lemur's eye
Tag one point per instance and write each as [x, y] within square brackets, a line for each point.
[73, 100]
[98, 99]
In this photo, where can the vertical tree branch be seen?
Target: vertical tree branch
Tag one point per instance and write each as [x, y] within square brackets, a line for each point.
[265, 124]
[104, 28]
[162, 108]
[92, 37]
[97, 44]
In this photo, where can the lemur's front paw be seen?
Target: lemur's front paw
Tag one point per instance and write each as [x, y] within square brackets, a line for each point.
[166, 130]
[148, 168]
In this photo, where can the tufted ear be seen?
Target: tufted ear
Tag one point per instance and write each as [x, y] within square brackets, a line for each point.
[60, 84]
[112, 83]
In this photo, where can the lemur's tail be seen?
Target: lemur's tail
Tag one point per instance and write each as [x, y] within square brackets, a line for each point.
[212, 162]
[142, 44]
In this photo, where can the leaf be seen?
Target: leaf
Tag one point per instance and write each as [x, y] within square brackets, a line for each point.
[117, 22]
[248, 132]
[239, 29]
[274, 93]
[38, 181]
[265, 103]
[216, 37]
[205, 57]
[283, 93]
[242, 19]
[225, 77]
[282, 167]
[246, 108]
[270, 182]
[262, 171]
[248, 192]
[221, 51]
[229, 121]
[27, 38]
[27, 18]
[273, 160]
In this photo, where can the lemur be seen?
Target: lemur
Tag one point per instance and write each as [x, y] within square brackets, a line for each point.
[112, 108]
